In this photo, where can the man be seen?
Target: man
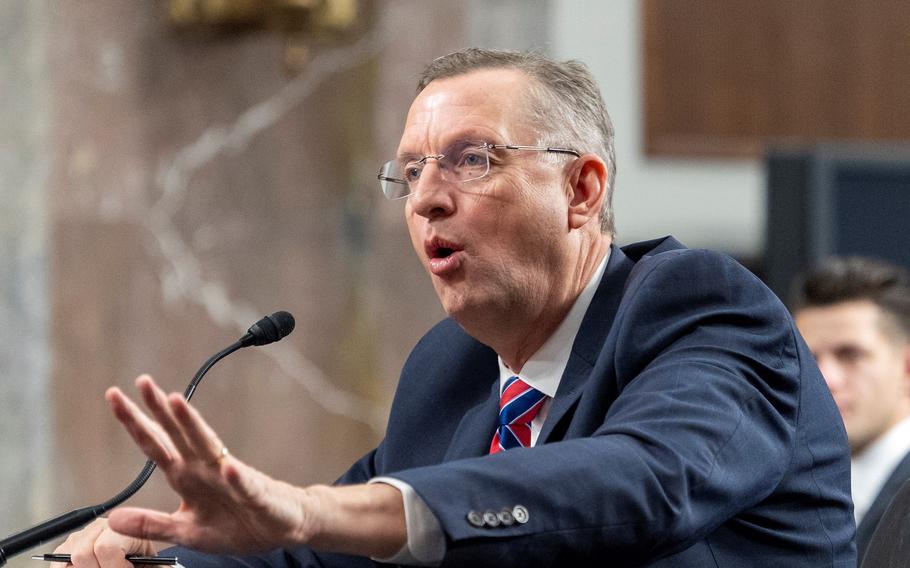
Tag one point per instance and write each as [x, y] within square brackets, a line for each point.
[854, 314]
[664, 413]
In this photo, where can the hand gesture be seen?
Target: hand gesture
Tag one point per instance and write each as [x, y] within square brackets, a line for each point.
[227, 506]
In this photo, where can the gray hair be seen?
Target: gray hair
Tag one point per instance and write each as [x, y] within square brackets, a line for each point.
[565, 100]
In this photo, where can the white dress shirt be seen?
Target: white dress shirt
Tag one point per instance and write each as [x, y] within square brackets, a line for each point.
[871, 469]
[426, 545]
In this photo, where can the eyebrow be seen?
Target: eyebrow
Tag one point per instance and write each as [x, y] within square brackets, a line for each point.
[408, 156]
[466, 135]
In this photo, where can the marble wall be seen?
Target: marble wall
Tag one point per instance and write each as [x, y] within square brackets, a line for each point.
[26, 417]
[161, 191]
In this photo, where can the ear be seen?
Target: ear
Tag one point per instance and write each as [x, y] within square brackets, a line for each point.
[586, 191]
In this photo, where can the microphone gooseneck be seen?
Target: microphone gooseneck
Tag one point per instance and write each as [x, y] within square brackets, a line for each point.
[267, 330]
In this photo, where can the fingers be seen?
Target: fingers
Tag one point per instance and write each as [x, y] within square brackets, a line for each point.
[193, 437]
[156, 401]
[81, 545]
[177, 432]
[153, 442]
[144, 524]
[199, 435]
[97, 546]
[111, 549]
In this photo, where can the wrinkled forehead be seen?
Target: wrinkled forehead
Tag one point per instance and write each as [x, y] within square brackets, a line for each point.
[489, 105]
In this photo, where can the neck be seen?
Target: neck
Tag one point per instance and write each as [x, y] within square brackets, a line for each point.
[856, 450]
[516, 333]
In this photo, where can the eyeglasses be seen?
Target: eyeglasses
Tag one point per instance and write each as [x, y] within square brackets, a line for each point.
[462, 161]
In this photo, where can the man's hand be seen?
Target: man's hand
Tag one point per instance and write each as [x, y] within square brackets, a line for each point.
[227, 506]
[97, 546]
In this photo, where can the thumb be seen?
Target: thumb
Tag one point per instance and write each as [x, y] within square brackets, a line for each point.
[143, 524]
[111, 548]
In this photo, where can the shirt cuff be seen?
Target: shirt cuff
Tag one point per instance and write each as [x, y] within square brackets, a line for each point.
[426, 545]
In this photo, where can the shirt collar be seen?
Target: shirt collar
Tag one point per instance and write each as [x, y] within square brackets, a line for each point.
[544, 369]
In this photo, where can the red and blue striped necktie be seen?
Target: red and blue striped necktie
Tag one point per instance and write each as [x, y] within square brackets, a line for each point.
[519, 403]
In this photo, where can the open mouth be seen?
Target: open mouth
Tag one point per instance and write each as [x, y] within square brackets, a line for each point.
[439, 248]
[443, 257]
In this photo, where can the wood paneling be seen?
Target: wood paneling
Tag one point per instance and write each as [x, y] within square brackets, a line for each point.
[728, 77]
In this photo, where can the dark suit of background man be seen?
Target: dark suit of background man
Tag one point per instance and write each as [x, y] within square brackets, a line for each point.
[855, 316]
[677, 417]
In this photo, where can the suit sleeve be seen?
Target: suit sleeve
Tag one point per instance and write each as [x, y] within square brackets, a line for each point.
[362, 470]
[695, 395]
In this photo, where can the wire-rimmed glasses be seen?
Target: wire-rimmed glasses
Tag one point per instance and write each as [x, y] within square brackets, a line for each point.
[462, 161]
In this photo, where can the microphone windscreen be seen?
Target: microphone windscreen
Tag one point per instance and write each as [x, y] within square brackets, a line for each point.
[272, 328]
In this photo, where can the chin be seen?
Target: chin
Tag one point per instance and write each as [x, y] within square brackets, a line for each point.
[459, 308]
[451, 295]
[455, 310]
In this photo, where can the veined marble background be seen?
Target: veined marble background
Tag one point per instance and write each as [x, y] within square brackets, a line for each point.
[160, 191]
[26, 416]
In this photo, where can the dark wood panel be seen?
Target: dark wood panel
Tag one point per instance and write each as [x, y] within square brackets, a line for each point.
[727, 77]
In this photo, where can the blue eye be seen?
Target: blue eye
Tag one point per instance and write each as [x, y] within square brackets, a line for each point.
[471, 160]
[412, 173]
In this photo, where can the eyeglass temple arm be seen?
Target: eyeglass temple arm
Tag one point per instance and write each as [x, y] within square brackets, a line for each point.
[391, 180]
[538, 148]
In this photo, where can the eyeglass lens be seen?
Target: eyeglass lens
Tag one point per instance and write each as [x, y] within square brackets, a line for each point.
[462, 161]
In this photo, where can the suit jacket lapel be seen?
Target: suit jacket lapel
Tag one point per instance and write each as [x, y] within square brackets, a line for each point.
[475, 431]
[474, 434]
[590, 340]
[877, 510]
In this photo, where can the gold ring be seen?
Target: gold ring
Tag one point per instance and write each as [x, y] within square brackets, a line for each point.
[221, 455]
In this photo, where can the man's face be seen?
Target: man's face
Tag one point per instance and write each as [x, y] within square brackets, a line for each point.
[497, 243]
[866, 370]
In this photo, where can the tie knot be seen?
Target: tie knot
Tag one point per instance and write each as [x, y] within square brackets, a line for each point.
[519, 402]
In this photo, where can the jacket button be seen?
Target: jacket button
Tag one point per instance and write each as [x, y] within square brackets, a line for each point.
[520, 514]
[490, 519]
[506, 518]
[475, 519]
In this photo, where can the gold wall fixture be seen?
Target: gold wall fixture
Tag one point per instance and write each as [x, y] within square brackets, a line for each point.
[304, 23]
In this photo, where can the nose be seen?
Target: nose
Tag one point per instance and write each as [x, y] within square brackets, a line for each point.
[432, 197]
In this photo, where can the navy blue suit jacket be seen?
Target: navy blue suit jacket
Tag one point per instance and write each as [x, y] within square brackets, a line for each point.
[874, 515]
[691, 428]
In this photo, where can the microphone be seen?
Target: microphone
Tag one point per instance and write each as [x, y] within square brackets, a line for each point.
[267, 330]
